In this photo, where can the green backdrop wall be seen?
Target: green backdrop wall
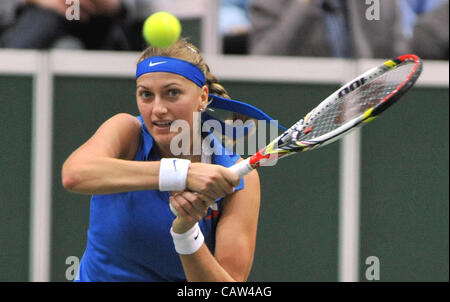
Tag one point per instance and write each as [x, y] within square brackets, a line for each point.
[15, 154]
[404, 198]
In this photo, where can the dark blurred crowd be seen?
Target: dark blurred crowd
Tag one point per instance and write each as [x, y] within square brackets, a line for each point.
[325, 28]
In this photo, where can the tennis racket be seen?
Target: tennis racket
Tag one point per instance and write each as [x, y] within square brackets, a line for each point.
[355, 104]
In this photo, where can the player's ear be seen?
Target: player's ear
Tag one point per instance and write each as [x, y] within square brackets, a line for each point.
[204, 97]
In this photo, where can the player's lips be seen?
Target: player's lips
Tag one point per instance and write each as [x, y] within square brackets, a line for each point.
[162, 124]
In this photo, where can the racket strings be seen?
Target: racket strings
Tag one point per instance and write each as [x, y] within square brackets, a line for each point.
[341, 110]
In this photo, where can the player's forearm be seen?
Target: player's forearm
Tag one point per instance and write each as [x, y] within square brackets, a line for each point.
[203, 267]
[109, 175]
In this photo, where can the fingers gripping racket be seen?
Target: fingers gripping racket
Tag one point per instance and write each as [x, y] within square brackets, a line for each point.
[353, 105]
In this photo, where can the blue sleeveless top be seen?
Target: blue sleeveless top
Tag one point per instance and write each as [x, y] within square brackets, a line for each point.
[129, 233]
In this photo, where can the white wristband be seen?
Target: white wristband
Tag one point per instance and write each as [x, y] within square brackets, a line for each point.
[188, 242]
[173, 173]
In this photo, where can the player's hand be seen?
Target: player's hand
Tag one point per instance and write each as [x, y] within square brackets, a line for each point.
[190, 210]
[211, 181]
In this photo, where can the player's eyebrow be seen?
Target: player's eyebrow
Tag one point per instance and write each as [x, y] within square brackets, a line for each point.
[165, 86]
[142, 86]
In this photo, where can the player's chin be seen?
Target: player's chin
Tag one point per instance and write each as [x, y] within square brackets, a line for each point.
[163, 137]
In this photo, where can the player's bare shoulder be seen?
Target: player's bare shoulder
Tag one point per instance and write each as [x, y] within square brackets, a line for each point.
[127, 120]
[125, 131]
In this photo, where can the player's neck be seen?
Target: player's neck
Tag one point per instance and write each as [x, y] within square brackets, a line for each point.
[165, 152]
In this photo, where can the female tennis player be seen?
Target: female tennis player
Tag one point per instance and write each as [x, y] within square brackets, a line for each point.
[129, 168]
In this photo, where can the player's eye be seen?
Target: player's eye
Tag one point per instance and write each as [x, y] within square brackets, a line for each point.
[145, 94]
[173, 93]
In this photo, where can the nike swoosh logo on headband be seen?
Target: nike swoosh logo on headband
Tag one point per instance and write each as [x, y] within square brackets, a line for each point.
[151, 64]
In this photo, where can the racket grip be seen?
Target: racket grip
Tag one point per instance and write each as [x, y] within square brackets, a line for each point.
[242, 168]
[173, 210]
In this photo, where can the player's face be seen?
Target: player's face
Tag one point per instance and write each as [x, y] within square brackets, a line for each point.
[163, 98]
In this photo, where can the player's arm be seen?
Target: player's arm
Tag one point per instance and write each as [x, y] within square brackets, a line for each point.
[235, 239]
[104, 163]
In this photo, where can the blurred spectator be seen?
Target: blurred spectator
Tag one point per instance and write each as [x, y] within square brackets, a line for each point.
[412, 9]
[325, 28]
[234, 25]
[6, 13]
[42, 24]
[430, 35]
[104, 24]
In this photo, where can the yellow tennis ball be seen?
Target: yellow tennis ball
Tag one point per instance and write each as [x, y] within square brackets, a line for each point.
[161, 29]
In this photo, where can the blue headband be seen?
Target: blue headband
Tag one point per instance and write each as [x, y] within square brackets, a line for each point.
[172, 65]
[194, 74]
